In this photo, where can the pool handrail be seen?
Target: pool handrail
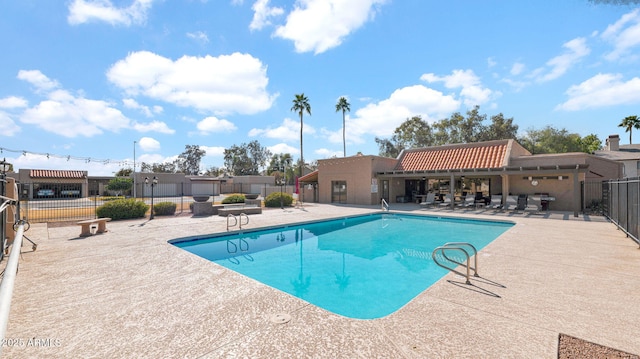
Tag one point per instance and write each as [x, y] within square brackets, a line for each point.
[385, 205]
[458, 246]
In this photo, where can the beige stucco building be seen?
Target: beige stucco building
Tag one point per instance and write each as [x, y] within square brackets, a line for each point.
[485, 168]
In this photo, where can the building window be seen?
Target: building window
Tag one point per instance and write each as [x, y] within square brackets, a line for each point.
[338, 191]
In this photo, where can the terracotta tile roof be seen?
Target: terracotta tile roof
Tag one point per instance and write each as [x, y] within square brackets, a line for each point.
[56, 174]
[491, 154]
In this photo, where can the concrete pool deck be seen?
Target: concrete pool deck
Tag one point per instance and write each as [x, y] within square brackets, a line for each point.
[128, 293]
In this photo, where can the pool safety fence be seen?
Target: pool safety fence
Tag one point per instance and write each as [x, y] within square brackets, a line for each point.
[621, 202]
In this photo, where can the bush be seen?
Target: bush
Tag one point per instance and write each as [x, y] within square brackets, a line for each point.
[234, 198]
[164, 209]
[123, 209]
[273, 200]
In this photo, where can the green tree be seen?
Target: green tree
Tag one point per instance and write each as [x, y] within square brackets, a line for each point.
[590, 143]
[412, 133]
[280, 166]
[301, 105]
[120, 185]
[629, 123]
[124, 172]
[164, 167]
[499, 129]
[246, 159]
[551, 140]
[344, 106]
[188, 162]
[213, 171]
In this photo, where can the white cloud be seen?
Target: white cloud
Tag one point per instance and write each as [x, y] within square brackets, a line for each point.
[262, 13]
[212, 125]
[148, 144]
[153, 126]
[602, 90]
[37, 79]
[224, 84]
[68, 115]
[491, 62]
[517, 68]
[624, 35]
[326, 153]
[83, 11]
[213, 151]
[559, 65]
[471, 89]
[8, 127]
[13, 102]
[319, 25]
[198, 36]
[380, 119]
[288, 131]
[284, 148]
[133, 104]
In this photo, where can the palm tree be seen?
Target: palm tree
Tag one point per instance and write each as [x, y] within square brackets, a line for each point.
[344, 106]
[301, 105]
[629, 123]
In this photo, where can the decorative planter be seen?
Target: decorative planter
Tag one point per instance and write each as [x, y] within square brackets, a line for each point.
[251, 195]
[201, 198]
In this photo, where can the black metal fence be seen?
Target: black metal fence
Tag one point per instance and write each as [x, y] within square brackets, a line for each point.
[621, 200]
[61, 202]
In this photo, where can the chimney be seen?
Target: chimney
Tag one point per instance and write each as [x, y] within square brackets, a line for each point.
[613, 143]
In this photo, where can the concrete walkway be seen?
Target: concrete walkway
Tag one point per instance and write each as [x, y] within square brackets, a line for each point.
[128, 293]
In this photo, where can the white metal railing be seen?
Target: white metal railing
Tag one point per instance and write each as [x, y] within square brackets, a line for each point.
[8, 281]
[385, 205]
[237, 220]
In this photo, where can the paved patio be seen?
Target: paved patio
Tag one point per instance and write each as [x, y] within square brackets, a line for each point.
[128, 293]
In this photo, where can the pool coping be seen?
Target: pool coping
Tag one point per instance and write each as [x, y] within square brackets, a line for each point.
[129, 292]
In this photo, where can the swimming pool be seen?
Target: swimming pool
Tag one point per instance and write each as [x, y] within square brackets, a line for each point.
[362, 267]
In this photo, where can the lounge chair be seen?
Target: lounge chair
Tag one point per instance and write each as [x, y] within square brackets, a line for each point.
[512, 203]
[534, 204]
[446, 201]
[496, 202]
[469, 201]
[430, 200]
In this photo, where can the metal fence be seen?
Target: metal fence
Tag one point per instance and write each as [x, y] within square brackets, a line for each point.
[58, 204]
[621, 200]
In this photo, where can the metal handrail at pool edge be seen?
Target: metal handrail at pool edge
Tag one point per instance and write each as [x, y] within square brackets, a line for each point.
[458, 246]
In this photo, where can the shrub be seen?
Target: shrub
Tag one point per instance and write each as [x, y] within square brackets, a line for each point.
[123, 209]
[273, 200]
[164, 208]
[234, 198]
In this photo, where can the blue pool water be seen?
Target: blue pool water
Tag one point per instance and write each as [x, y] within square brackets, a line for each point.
[361, 267]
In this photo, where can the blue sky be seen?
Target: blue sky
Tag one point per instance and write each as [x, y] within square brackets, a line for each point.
[88, 81]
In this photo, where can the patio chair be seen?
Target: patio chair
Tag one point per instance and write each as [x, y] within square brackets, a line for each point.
[469, 201]
[446, 201]
[496, 202]
[430, 200]
[511, 203]
[534, 204]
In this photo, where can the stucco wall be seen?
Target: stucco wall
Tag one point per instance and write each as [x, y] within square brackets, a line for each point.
[358, 172]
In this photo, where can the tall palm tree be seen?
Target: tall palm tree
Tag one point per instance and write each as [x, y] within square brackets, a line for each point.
[301, 105]
[344, 106]
[629, 123]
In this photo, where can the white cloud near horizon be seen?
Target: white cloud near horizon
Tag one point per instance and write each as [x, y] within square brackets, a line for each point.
[288, 131]
[148, 144]
[471, 89]
[284, 148]
[381, 118]
[84, 11]
[8, 126]
[235, 83]
[319, 25]
[71, 115]
[602, 90]
[212, 124]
